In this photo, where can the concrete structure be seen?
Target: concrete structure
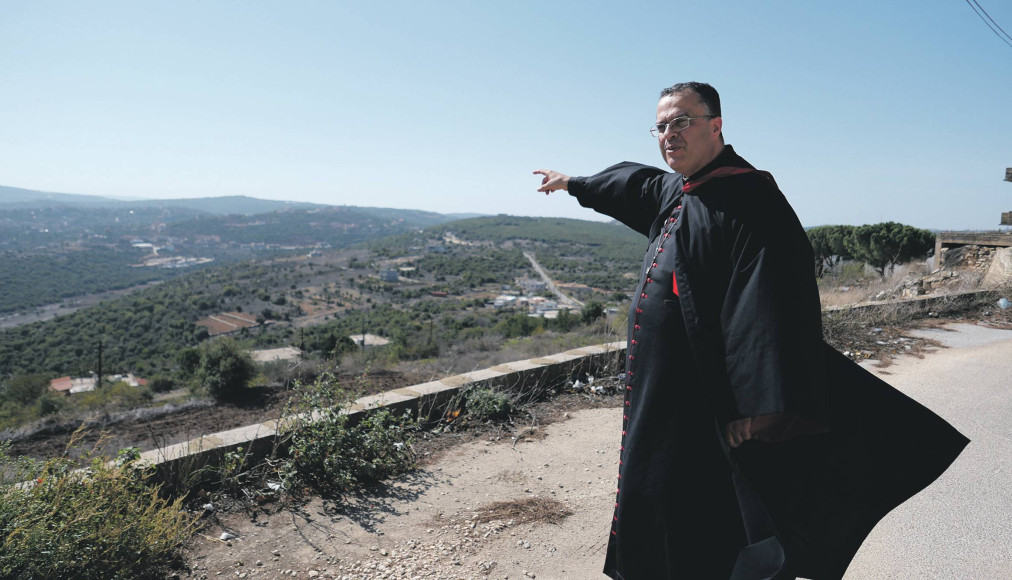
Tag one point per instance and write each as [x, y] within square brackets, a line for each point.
[368, 340]
[531, 285]
[72, 386]
[273, 354]
[1000, 271]
[505, 301]
[956, 239]
[534, 377]
[226, 323]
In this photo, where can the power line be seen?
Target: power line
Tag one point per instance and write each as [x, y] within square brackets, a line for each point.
[992, 20]
[981, 13]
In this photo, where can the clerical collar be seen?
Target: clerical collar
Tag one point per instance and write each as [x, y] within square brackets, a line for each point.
[727, 163]
[727, 156]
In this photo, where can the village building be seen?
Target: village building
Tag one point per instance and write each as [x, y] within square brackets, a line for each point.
[532, 285]
[272, 354]
[74, 385]
[368, 340]
[505, 301]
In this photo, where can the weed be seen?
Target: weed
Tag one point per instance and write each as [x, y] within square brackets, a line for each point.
[485, 404]
[525, 511]
[103, 521]
[332, 454]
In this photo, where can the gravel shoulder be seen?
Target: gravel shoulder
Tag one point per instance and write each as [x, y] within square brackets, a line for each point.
[439, 522]
[436, 522]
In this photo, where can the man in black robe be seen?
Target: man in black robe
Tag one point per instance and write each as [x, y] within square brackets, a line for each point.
[751, 450]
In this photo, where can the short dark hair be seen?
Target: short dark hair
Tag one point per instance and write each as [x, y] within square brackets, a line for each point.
[707, 95]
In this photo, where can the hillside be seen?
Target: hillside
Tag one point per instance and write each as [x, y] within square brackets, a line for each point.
[326, 296]
[59, 246]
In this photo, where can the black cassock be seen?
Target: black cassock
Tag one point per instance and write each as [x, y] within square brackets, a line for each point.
[742, 338]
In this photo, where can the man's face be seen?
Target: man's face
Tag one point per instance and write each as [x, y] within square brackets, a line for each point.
[688, 150]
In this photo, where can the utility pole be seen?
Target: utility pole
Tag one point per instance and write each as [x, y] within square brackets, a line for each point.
[1006, 217]
[365, 319]
[98, 383]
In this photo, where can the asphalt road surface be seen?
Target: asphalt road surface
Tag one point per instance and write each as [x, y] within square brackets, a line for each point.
[563, 298]
[960, 527]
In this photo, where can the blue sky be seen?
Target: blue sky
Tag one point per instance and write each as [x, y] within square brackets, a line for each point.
[864, 111]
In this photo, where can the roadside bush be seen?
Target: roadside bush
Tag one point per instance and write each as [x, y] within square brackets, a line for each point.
[116, 396]
[50, 404]
[160, 384]
[25, 389]
[332, 455]
[484, 404]
[225, 369]
[102, 522]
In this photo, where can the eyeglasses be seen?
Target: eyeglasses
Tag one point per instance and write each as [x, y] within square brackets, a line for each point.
[678, 124]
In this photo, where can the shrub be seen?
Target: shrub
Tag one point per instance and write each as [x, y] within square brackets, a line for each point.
[25, 389]
[160, 384]
[100, 522]
[484, 404]
[331, 454]
[115, 396]
[225, 369]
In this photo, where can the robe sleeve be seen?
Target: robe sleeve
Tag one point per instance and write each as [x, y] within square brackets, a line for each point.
[771, 316]
[629, 192]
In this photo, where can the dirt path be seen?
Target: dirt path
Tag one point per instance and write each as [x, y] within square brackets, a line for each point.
[441, 522]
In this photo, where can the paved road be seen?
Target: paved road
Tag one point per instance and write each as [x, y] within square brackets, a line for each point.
[960, 527]
[563, 298]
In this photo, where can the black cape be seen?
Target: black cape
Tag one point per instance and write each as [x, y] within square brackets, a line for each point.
[742, 338]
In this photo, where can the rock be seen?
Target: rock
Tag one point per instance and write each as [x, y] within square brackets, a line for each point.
[225, 536]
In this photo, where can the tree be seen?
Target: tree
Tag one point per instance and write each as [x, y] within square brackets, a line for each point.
[592, 311]
[828, 243]
[225, 369]
[26, 389]
[885, 244]
[188, 360]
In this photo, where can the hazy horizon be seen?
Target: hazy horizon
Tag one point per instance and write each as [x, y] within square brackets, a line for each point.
[864, 112]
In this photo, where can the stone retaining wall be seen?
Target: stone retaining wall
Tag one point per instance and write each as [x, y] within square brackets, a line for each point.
[185, 462]
[533, 376]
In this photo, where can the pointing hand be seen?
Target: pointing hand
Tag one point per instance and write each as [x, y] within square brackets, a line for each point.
[553, 180]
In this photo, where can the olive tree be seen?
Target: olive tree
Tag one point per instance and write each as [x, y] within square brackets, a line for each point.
[225, 369]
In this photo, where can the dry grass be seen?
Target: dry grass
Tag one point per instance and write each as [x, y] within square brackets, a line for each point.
[524, 511]
[851, 284]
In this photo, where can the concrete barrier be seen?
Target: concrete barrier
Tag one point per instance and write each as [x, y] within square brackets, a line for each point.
[533, 376]
[186, 462]
[945, 302]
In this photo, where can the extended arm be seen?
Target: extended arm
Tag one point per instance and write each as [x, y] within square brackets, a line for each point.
[632, 193]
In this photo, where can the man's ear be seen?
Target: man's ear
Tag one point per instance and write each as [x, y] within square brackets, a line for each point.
[718, 124]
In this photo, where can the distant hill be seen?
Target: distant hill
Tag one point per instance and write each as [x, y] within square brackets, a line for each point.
[18, 198]
[225, 205]
[28, 197]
